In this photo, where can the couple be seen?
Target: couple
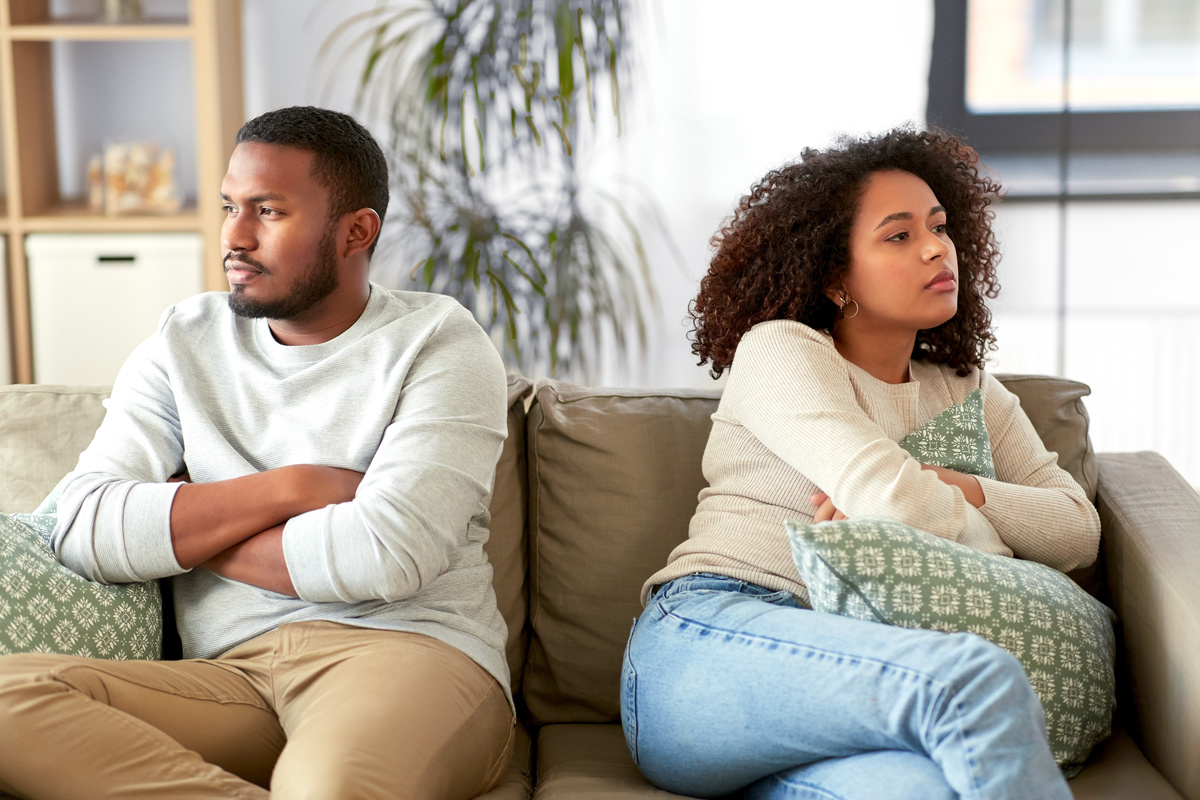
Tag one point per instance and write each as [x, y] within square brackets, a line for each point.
[311, 457]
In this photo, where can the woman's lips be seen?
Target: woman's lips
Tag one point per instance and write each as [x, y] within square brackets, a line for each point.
[944, 281]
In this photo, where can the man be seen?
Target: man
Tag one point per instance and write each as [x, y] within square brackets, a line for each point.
[311, 457]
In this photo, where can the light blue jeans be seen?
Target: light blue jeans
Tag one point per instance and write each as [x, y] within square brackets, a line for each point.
[727, 686]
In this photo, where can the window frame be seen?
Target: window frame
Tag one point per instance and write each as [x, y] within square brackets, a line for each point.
[1038, 132]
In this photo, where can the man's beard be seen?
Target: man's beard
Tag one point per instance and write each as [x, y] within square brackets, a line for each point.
[318, 281]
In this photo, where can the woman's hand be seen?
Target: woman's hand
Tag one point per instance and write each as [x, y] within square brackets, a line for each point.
[967, 484]
[825, 508]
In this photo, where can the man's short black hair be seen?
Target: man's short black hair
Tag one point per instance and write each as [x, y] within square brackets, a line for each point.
[347, 160]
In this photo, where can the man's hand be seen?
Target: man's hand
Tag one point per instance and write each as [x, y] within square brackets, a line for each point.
[967, 484]
[209, 518]
[825, 508]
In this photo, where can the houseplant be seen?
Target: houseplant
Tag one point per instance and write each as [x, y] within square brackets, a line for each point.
[494, 111]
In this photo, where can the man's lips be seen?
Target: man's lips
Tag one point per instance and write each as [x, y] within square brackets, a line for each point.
[238, 271]
[944, 281]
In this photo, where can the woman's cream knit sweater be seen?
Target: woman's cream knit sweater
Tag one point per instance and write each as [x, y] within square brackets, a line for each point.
[796, 417]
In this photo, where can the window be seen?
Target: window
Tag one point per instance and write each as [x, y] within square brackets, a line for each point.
[1113, 108]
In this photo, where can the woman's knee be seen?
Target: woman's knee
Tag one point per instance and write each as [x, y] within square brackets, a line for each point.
[989, 674]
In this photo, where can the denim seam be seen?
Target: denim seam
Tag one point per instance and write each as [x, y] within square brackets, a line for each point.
[809, 648]
[809, 789]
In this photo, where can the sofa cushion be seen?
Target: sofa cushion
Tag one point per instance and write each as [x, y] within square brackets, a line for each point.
[47, 608]
[884, 571]
[517, 781]
[1055, 407]
[507, 544]
[614, 476]
[575, 761]
[956, 439]
[593, 761]
[43, 429]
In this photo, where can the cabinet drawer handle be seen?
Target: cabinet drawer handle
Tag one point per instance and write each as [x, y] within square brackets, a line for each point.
[116, 259]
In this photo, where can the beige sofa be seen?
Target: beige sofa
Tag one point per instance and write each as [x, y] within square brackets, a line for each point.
[596, 486]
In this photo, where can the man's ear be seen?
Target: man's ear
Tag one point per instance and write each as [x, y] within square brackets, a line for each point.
[362, 228]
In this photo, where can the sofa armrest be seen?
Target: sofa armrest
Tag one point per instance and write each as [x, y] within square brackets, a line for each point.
[1151, 540]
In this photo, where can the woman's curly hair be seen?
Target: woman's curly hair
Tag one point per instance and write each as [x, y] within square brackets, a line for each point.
[788, 241]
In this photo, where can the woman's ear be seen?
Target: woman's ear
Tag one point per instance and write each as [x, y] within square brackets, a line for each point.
[835, 294]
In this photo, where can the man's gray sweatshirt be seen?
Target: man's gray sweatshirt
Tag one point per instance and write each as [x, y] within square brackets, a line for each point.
[412, 395]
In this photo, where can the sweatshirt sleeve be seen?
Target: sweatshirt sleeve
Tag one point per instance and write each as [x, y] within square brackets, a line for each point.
[114, 513]
[431, 475]
[1035, 506]
[792, 390]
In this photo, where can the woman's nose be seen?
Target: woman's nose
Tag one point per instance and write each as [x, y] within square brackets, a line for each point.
[935, 246]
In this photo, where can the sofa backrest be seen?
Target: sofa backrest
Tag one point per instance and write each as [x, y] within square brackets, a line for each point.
[613, 480]
[43, 429]
[593, 490]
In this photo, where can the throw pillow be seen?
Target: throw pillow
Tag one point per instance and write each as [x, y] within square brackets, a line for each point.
[956, 439]
[47, 608]
[889, 572]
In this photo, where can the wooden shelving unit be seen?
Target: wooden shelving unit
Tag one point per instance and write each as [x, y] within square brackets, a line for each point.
[32, 199]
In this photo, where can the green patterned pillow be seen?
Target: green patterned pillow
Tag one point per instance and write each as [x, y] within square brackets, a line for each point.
[47, 608]
[889, 572]
[956, 439]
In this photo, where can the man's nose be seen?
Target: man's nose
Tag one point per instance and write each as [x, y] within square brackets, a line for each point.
[237, 233]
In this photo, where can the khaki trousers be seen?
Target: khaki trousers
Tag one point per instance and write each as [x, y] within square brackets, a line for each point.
[314, 710]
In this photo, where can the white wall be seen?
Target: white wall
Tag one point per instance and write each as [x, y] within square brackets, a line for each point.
[1132, 315]
[725, 92]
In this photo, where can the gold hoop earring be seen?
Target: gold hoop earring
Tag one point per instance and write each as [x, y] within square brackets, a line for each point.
[847, 300]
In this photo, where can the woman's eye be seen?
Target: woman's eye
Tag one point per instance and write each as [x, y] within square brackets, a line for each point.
[898, 237]
[939, 228]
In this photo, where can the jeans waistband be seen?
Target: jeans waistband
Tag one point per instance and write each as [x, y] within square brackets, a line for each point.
[711, 582]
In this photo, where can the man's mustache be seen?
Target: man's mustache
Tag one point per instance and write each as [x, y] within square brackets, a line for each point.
[250, 262]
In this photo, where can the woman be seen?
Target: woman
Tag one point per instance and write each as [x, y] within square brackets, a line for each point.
[846, 299]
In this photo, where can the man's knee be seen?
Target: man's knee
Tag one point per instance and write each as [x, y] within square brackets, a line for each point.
[25, 686]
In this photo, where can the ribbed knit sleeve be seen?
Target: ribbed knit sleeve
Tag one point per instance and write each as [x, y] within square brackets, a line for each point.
[792, 390]
[1036, 507]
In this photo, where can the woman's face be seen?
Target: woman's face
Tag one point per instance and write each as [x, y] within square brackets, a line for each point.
[903, 266]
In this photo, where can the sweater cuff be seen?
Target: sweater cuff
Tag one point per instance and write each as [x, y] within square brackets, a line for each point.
[307, 560]
[1000, 499]
[146, 522]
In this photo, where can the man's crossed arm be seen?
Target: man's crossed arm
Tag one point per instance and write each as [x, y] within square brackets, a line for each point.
[235, 527]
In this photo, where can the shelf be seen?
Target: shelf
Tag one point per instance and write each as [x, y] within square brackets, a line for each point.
[70, 217]
[196, 108]
[101, 31]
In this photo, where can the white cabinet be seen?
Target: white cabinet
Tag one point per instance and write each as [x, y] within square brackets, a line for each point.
[94, 297]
